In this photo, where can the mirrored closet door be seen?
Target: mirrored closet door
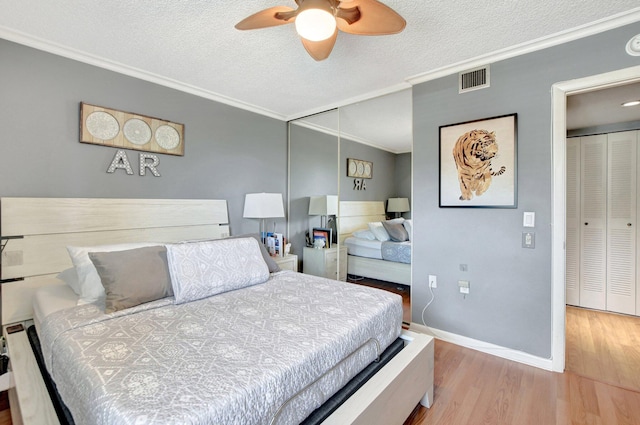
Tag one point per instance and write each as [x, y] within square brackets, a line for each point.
[370, 144]
[314, 149]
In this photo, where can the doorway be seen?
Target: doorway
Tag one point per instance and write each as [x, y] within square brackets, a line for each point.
[560, 91]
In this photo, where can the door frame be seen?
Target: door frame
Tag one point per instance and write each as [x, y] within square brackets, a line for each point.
[559, 93]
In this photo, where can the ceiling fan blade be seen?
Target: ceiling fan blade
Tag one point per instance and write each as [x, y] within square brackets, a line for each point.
[320, 50]
[375, 18]
[266, 18]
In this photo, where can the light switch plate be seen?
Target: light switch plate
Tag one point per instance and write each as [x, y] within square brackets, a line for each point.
[529, 219]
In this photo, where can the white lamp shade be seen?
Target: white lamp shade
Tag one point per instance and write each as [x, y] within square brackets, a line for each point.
[398, 205]
[263, 205]
[323, 205]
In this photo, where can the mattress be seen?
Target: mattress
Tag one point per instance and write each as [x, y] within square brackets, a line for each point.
[364, 247]
[52, 297]
[399, 252]
[269, 352]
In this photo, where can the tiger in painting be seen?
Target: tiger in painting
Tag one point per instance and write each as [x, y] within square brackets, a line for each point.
[472, 154]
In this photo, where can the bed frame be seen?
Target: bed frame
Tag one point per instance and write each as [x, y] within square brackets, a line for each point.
[36, 232]
[355, 215]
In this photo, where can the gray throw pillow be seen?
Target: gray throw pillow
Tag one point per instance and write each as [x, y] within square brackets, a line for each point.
[273, 266]
[396, 231]
[133, 277]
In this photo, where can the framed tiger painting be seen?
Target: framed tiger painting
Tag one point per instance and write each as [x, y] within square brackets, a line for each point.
[478, 166]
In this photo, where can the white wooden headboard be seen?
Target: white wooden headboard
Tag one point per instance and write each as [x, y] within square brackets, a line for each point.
[355, 215]
[46, 226]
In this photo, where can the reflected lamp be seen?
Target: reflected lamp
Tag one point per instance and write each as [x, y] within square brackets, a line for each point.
[323, 206]
[398, 206]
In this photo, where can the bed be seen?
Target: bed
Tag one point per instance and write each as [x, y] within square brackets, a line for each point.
[33, 261]
[388, 261]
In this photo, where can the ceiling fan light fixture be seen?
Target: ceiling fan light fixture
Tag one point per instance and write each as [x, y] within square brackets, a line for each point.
[316, 21]
[631, 103]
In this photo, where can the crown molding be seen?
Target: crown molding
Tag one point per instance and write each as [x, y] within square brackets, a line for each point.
[342, 135]
[100, 62]
[592, 28]
[556, 39]
[352, 100]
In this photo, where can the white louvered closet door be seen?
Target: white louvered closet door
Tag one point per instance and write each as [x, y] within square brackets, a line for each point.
[572, 249]
[621, 222]
[593, 220]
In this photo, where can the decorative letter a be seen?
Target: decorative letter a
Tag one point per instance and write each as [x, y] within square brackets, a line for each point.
[120, 160]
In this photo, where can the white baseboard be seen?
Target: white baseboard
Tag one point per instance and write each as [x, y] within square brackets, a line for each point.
[485, 347]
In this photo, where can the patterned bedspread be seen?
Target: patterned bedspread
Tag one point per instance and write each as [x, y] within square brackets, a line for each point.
[233, 358]
[400, 252]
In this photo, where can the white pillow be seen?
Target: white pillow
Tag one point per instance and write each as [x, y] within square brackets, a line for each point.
[364, 234]
[70, 277]
[90, 285]
[379, 231]
[408, 225]
[202, 269]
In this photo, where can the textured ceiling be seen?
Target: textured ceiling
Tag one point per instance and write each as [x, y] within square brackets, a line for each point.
[601, 107]
[193, 45]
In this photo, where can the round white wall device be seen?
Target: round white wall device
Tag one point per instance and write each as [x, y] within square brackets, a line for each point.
[633, 46]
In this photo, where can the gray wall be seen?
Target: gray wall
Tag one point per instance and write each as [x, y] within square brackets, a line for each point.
[381, 186]
[314, 172]
[510, 299]
[403, 178]
[228, 151]
[318, 164]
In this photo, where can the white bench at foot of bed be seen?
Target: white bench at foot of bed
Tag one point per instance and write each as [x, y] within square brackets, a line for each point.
[388, 397]
[28, 396]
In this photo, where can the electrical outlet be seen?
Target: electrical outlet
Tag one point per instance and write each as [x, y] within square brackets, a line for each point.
[433, 281]
[528, 240]
[464, 286]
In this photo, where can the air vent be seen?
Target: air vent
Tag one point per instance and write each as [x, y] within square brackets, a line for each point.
[473, 79]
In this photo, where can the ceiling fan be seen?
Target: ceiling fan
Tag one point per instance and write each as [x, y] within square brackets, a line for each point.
[318, 21]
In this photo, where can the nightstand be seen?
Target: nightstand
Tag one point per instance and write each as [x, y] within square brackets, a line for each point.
[288, 262]
[324, 262]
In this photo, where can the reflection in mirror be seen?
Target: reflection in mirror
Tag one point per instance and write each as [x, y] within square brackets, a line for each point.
[313, 193]
[378, 131]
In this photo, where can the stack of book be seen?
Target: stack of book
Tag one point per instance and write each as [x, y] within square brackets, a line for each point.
[275, 244]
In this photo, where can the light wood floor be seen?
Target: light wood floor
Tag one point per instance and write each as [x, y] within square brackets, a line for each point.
[604, 346]
[5, 417]
[476, 388]
[5, 413]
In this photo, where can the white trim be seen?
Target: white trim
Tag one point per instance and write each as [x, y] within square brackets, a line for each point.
[592, 28]
[484, 347]
[566, 36]
[558, 225]
[343, 135]
[100, 62]
[350, 101]
[560, 91]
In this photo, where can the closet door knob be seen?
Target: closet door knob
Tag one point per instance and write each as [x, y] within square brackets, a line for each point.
[628, 224]
[586, 224]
